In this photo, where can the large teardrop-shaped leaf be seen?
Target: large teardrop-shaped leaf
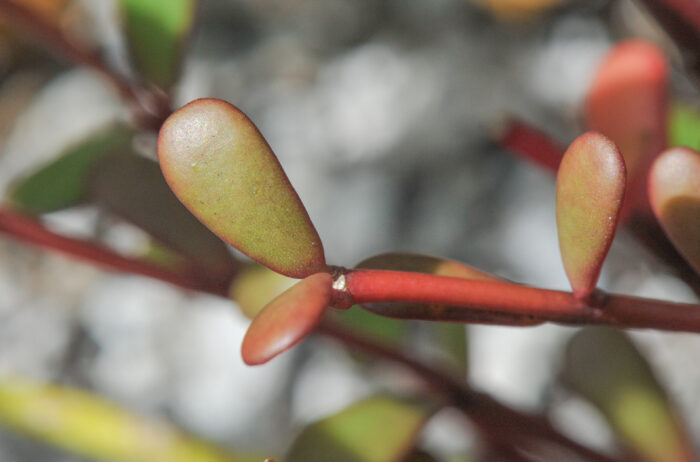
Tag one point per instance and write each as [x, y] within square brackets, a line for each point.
[590, 190]
[96, 429]
[63, 182]
[377, 429]
[157, 31]
[287, 319]
[222, 169]
[628, 102]
[133, 188]
[674, 189]
[605, 368]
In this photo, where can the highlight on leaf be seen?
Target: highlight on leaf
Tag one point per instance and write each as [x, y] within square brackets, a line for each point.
[222, 169]
[628, 103]
[287, 319]
[590, 190]
[94, 428]
[604, 367]
[376, 429]
[674, 190]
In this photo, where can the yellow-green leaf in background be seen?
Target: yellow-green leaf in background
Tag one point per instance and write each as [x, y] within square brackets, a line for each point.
[684, 127]
[517, 9]
[91, 427]
[255, 286]
[63, 182]
[605, 368]
[156, 31]
[377, 429]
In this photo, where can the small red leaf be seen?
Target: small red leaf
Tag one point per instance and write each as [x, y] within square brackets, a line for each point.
[628, 102]
[287, 319]
[674, 190]
[590, 190]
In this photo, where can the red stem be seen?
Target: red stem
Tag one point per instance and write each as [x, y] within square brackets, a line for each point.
[53, 38]
[454, 299]
[32, 231]
[530, 143]
[497, 421]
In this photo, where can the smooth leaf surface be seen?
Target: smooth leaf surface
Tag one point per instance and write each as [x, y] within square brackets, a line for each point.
[133, 188]
[628, 103]
[441, 267]
[94, 428]
[684, 127]
[157, 31]
[590, 190]
[63, 182]
[219, 165]
[287, 319]
[255, 286]
[377, 429]
[605, 368]
[518, 9]
[674, 190]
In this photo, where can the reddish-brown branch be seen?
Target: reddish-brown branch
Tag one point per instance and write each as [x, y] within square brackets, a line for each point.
[530, 143]
[498, 422]
[30, 230]
[453, 299]
[151, 109]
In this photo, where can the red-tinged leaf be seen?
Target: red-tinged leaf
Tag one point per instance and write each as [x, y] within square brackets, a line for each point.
[605, 368]
[377, 429]
[441, 267]
[255, 286]
[287, 319]
[628, 102]
[590, 191]
[133, 188]
[222, 169]
[674, 190]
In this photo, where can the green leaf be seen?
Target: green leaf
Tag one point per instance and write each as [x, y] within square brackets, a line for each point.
[255, 286]
[377, 429]
[62, 183]
[222, 169]
[605, 368]
[674, 189]
[157, 31]
[94, 428]
[590, 191]
[287, 319]
[133, 188]
[628, 103]
[684, 127]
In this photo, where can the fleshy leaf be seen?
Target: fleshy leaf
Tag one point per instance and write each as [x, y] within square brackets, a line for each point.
[156, 31]
[674, 190]
[96, 429]
[590, 191]
[133, 188]
[222, 169]
[255, 286]
[605, 368]
[441, 267]
[63, 182]
[377, 429]
[684, 127]
[628, 103]
[287, 319]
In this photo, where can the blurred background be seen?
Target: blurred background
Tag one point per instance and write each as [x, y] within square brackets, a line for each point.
[384, 115]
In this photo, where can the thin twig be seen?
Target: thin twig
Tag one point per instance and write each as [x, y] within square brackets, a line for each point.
[499, 422]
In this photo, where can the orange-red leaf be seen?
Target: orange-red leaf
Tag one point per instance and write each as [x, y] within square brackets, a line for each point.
[287, 319]
[674, 190]
[222, 169]
[590, 190]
